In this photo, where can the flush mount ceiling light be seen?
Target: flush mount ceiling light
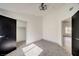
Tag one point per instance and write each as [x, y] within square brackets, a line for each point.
[43, 6]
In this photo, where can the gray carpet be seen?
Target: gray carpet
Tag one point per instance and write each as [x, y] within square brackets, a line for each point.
[49, 49]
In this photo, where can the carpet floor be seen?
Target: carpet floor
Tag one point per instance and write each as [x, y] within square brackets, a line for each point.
[49, 49]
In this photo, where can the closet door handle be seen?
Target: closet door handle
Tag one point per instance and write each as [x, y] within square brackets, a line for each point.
[77, 38]
[1, 36]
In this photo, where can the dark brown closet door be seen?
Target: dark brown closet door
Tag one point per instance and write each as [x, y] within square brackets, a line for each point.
[75, 34]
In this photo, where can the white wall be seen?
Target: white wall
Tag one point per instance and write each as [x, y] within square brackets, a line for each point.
[21, 34]
[52, 22]
[21, 31]
[34, 29]
[21, 23]
[34, 24]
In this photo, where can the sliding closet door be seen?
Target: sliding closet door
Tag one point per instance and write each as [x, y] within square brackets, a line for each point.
[75, 34]
[7, 35]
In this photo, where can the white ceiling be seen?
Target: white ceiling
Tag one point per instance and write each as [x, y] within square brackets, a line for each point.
[28, 8]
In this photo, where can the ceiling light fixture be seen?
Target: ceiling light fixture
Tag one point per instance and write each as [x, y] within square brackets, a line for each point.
[43, 6]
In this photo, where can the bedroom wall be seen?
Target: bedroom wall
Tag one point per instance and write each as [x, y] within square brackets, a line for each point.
[34, 24]
[21, 31]
[21, 34]
[52, 22]
[34, 29]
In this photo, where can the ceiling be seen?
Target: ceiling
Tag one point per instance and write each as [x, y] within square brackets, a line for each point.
[29, 8]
